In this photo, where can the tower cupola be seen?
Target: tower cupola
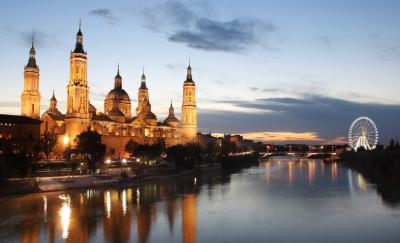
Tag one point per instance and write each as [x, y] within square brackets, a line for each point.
[143, 81]
[79, 40]
[189, 74]
[53, 102]
[118, 80]
[32, 54]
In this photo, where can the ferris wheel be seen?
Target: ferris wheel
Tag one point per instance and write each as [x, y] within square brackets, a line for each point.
[363, 133]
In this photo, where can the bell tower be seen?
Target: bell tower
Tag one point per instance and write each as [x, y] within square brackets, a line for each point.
[189, 109]
[77, 115]
[30, 98]
[143, 97]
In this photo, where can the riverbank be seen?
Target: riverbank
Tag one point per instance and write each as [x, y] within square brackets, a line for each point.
[381, 168]
[63, 183]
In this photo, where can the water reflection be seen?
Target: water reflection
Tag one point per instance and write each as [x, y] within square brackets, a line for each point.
[334, 172]
[290, 173]
[189, 218]
[311, 171]
[194, 208]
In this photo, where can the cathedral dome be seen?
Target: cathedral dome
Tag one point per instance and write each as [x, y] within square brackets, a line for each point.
[118, 94]
[171, 120]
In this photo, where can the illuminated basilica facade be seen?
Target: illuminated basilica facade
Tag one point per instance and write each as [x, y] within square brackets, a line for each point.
[117, 124]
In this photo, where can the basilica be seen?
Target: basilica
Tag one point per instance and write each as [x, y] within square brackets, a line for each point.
[117, 124]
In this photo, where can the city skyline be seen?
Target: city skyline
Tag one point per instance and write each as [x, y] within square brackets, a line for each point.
[281, 85]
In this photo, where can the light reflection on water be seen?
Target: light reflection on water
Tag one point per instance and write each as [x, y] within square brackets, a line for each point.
[278, 200]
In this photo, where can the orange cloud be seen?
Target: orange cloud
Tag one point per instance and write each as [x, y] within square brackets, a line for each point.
[288, 136]
[282, 136]
[337, 140]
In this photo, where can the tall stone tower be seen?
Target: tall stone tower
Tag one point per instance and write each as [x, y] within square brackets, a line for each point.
[77, 116]
[189, 109]
[143, 98]
[30, 98]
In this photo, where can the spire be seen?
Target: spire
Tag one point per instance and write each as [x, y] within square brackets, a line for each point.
[53, 102]
[143, 83]
[79, 40]
[80, 26]
[53, 97]
[118, 80]
[171, 110]
[32, 54]
[189, 74]
[143, 76]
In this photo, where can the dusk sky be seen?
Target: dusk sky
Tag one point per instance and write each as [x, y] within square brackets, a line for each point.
[287, 71]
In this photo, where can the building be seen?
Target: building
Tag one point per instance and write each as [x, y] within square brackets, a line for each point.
[20, 132]
[116, 123]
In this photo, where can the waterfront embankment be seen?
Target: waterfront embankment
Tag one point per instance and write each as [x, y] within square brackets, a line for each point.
[380, 167]
[63, 183]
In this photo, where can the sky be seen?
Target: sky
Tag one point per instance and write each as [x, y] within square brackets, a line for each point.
[276, 71]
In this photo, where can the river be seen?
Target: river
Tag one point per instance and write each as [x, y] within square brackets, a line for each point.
[281, 200]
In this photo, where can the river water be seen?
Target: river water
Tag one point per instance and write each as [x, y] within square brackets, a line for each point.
[280, 200]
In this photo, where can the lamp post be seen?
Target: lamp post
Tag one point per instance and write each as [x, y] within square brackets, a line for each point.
[66, 140]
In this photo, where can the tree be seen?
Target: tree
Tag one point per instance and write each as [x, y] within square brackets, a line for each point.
[131, 147]
[391, 144]
[48, 141]
[225, 147]
[14, 163]
[147, 151]
[185, 155]
[89, 144]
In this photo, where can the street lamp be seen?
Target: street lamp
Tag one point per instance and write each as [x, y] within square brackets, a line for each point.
[66, 140]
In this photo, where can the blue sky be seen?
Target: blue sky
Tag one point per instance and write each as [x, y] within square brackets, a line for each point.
[300, 69]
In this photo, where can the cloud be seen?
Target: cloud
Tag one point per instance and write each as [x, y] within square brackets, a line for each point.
[328, 117]
[232, 36]
[267, 90]
[282, 136]
[24, 37]
[336, 140]
[184, 25]
[105, 14]
[170, 13]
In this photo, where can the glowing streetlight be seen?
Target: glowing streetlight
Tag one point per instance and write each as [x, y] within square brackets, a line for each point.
[108, 161]
[66, 140]
[124, 161]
